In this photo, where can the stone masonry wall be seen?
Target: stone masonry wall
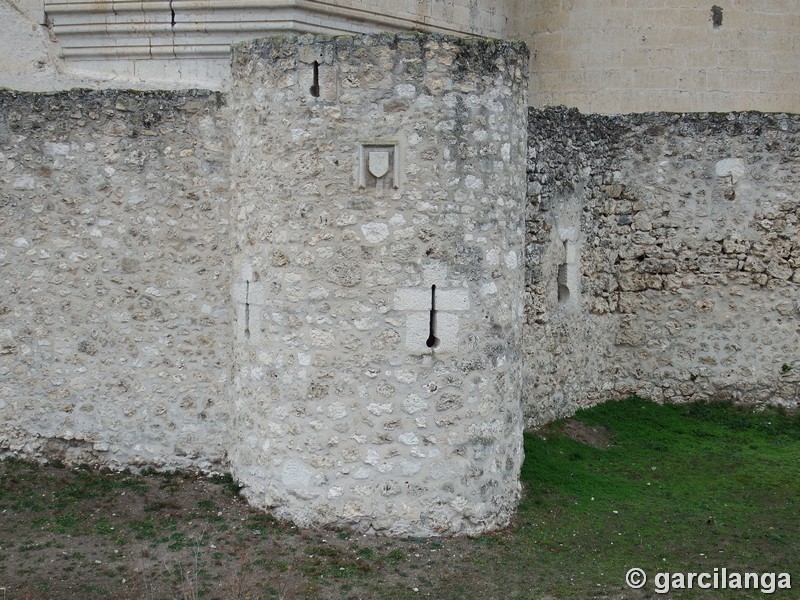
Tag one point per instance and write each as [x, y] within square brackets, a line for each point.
[619, 57]
[114, 270]
[248, 284]
[368, 170]
[662, 259]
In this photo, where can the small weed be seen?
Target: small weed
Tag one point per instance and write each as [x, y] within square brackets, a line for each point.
[485, 540]
[68, 523]
[161, 506]
[177, 541]
[207, 505]
[103, 526]
[367, 553]
[30, 546]
[227, 482]
[144, 529]
[261, 521]
[396, 555]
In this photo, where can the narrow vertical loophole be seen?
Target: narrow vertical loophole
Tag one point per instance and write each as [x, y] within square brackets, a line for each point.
[716, 16]
[247, 312]
[563, 277]
[432, 340]
[563, 288]
[315, 86]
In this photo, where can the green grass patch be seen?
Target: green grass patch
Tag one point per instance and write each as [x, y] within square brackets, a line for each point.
[680, 488]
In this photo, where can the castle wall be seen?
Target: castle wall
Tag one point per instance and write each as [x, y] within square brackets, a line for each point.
[396, 189]
[246, 282]
[114, 270]
[676, 240]
[617, 56]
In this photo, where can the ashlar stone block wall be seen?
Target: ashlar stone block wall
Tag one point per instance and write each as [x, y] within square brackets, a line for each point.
[376, 178]
[684, 232]
[625, 56]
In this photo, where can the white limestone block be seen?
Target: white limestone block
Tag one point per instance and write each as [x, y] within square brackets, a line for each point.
[412, 299]
[295, 474]
[453, 299]
[730, 167]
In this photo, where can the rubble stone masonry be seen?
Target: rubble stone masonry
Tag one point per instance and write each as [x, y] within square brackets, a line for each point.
[115, 307]
[378, 197]
[326, 299]
[682, 234]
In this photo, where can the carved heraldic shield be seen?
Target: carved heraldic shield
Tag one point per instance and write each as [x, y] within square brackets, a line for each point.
[378, 163]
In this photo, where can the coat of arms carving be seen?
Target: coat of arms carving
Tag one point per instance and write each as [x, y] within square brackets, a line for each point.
[377, 166]
[378, 162]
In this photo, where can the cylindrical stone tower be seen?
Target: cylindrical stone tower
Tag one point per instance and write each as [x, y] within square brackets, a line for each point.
[379, 185]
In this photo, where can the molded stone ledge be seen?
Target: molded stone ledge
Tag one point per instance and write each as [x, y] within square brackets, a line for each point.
[190, 40]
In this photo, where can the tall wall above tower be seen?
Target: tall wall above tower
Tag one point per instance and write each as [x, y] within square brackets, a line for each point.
[622, 56]
[188, 42]
[600, 56]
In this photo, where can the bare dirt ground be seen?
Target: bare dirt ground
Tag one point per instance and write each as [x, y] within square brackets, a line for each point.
[68, 534]
[595, 436]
